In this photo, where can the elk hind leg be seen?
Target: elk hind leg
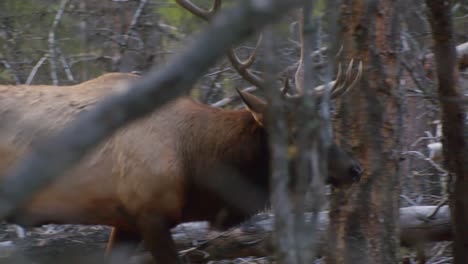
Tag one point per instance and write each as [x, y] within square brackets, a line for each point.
[121, 245]
[157, 239]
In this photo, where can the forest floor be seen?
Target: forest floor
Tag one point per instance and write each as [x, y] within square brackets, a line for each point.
[68, 244]
[57, 244]
[78, 244]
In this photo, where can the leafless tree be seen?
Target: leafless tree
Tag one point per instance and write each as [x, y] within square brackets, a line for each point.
[455, 130]
[363, 227]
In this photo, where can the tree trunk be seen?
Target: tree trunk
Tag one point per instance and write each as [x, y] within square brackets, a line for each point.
[455, 131]
[363, 226]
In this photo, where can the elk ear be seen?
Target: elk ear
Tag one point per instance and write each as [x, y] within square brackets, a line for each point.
[255, 105]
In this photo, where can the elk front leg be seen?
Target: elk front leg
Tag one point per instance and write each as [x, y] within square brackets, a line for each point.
[157, 239]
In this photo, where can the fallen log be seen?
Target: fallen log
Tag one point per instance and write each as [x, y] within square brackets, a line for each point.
[254, 238]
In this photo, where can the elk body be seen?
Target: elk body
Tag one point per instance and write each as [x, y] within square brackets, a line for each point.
[185, 162]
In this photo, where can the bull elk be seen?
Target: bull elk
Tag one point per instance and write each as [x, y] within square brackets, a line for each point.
[185, 162]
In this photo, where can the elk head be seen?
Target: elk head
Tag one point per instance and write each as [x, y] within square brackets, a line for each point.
[342, 167]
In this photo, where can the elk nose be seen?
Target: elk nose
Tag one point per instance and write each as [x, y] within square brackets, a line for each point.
[355, 172]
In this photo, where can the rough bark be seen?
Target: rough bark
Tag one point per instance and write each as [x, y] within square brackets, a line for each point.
[455, 131]
[363, 227]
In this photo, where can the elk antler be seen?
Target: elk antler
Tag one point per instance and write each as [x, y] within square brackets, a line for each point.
[198, 11]
[286, 87]
[338, 87]
[242, 67]
[345, 83]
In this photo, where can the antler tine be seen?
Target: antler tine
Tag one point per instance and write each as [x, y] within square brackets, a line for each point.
[198, 11]
[347, 84]
[341, 79]
[285, 89]
[341, 85]
[335, 85]
[240, 66]
[348, 71]
[338, 54]
[356, 80]
[247, 63]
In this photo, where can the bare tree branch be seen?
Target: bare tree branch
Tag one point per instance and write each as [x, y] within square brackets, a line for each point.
[454, 138]
[462, 55]
[10, 70]
[134, 21]
[65, 65]
[52, 44]
[242, 67]
[79, 58]
[48, 161]
[429, 160]
[34, 70]
[137, 14]
[233, 98]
